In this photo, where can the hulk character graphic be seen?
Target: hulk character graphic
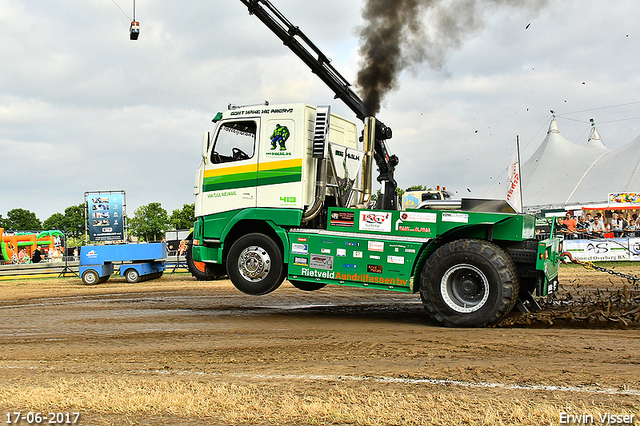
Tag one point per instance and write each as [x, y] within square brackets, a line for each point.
[279, 137]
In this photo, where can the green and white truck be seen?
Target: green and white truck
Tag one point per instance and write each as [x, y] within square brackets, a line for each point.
[285, 192]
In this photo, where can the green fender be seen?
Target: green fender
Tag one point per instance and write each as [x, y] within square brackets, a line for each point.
[219, 226]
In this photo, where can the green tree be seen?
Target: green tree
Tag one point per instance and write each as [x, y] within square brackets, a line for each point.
[55, 221]
[149, 222]
[22, 220]
[71, 222]
[2, 225]
[183, 219]
[74, 220]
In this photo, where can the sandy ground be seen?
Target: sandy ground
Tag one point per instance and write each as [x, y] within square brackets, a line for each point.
[60, 334]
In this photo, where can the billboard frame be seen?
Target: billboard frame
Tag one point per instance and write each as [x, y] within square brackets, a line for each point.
[105, 209]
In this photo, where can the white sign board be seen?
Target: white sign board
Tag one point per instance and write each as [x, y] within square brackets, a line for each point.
[634, 248]
[599, 250]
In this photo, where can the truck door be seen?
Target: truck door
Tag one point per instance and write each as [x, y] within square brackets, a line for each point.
[280, 164]
[229, 181]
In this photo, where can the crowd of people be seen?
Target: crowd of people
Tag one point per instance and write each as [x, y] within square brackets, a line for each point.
[38, 255]
[588, 226]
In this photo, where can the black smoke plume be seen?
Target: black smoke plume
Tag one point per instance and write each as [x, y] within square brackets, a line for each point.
[400, 33]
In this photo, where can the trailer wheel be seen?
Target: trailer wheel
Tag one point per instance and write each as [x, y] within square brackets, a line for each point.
[307, 286]
[203, 271]
[132, 275]
[469, 283]
[90, 277]
[255, 265]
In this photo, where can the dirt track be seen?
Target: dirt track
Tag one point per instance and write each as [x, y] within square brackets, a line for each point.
[64, 346]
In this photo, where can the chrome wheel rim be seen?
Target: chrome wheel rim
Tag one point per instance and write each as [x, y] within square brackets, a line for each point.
[254, 263]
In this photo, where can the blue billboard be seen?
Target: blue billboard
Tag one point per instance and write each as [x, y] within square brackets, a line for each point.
[105, 215]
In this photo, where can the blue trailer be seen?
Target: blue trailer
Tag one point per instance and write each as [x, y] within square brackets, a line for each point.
[138, 262]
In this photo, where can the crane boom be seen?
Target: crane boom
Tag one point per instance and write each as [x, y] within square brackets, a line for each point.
[299, 43]
[305, 49]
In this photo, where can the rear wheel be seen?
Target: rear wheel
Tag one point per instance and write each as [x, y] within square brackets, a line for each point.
[469, 283]
[307, 286]
[132, 275]
[254, 264]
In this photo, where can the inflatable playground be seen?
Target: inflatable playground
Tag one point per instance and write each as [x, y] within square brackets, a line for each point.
[19, 247]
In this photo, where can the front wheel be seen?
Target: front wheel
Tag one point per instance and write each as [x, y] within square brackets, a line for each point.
[90, 277]
[255, 265]
[469, 283]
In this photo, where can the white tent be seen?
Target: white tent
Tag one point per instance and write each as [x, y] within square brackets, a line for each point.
[616, 171]
[550, 176]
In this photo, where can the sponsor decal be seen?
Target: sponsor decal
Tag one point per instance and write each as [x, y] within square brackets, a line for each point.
[419, 217]
[374, 256]
[344, 219]
[325, 241]
[302, 239]
[299, 248]
[325, 251]
[222, 194]
[357, 254]
[317, 274]
[374, 269]
[279, 139]
[409, 250]
[366, 278]
[321, 261]
[399, 260]
[351, 244]
[455, 217]
[341, 252]
[413, 229]
[300, 261]
[349, 266]
[375, 246]
[92, 254]
[375, 221]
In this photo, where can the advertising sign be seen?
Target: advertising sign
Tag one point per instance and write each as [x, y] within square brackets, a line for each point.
[375, 221]
[634, 248]
[598, 250]
[105, 215]
[624, 197]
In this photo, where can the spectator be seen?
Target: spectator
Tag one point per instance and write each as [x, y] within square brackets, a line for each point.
[36, 256]
[589, 218]
[569, 222]
[582, 227]
[623, 222]
[568, 227]
[597, 228]
[616, 225]
[561, 227]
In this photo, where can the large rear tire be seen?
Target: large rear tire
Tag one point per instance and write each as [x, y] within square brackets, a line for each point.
[255, 265]
[469, 283]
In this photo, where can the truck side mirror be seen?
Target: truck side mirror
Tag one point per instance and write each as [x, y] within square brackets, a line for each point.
[206, 140]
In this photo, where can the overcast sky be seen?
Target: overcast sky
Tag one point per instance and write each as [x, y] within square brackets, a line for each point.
[83, 108]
